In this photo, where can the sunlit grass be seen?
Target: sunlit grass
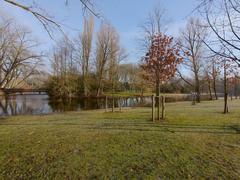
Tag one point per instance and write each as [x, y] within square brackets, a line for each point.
[128, 94]
[193, 142]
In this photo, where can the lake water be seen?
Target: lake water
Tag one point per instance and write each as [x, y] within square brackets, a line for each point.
[36, 104]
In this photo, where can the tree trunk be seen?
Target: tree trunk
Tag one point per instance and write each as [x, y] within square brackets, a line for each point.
[0, 73]
[163, 107]
[106, 104]
[100, 75]
[142, 91]
[215, 89]
[236, 88]
[159, 106]
[193, 98]
[225, 91]
[153, 108]
[85, 85]
[197, 90]
[142, 95]
[99, 88]
[214, 81]
[98, 91]
[113, 104]
[158, 98]
[120, 104]
[209, 89]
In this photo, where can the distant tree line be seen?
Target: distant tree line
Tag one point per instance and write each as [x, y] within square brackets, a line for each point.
[83, 67]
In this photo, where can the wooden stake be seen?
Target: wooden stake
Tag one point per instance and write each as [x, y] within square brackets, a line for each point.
[120, 104]
[106, 104]
[163, 107]
[159, 106]
[113, 104]
[193, 99]
[153, 108]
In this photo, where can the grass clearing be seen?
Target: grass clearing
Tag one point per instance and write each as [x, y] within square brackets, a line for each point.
[194, 142]
[128, 94]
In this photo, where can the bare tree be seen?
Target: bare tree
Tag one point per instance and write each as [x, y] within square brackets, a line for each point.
[63, 57]
[225, 83]
[156, 23]
[207, 77]
[192, 46]
[17, 59]
[214, 73]
[228, 70]
[64, 83]
[223, 18]
[131, 76]
[104, 52]
[84, 49]
[211, 74]
[118, 54]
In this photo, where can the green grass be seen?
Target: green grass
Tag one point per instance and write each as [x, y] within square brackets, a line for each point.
[194, 142]
[132, 94]
[127, 94]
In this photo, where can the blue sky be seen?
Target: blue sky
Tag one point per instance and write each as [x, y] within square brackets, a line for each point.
[124, 15]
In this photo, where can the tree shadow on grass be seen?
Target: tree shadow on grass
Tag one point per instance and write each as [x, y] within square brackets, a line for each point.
[144, 126]
[150, 126]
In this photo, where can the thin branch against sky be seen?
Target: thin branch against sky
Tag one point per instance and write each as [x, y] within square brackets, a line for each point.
[122, 17]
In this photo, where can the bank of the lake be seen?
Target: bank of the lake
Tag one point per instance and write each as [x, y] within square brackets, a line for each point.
[194, 142]
[42, 104]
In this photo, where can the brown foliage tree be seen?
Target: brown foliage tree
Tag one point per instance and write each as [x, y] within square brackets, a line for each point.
[162, 59]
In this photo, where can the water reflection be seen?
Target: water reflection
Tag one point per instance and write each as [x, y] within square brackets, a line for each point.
[96, 103]
[41, 104]
[24, 104]
[35, 104]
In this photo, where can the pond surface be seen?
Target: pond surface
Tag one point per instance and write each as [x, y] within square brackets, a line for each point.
[37, 104]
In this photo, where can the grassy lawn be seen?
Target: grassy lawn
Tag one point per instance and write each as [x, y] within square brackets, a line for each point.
[194, 142]
[127, 94]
